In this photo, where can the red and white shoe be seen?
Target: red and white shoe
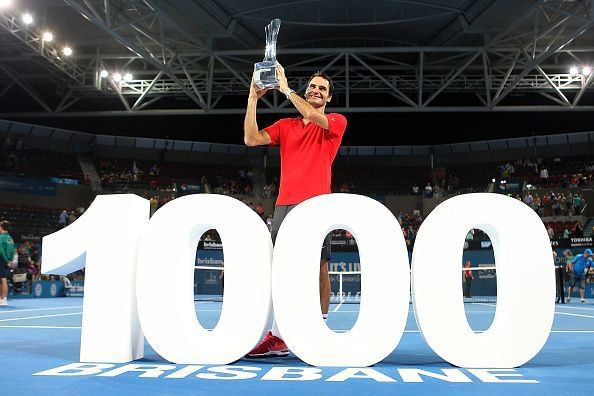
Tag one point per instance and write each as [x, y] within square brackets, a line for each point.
[270, 346]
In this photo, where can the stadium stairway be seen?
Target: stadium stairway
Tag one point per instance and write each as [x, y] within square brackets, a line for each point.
[88, 168]
[258, 180]
[588, 227]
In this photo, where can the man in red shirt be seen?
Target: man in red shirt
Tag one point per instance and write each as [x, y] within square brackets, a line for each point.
[308, 146]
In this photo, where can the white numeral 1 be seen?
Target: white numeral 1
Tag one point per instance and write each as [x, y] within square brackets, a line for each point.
[104, 241]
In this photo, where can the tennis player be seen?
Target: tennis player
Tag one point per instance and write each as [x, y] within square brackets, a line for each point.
[308, 145]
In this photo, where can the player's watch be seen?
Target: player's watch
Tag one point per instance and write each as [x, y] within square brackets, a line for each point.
[288, 94]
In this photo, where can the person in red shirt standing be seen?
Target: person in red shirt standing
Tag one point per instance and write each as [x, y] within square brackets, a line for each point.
[467, 279]
[308, 146]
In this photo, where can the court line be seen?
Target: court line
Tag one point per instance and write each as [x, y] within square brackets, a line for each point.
[38, 309]
[557, 306]
[581, 308]
[338, 307]
[80, 313]
[41, 316]
[552, 331]
[556, 312]
[41, 327]
[335, 311]
[486, 304]
[572, 314]
[343, 311]
[337, 331]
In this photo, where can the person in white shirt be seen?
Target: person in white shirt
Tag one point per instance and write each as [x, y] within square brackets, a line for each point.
[544, 175]
[428, 191]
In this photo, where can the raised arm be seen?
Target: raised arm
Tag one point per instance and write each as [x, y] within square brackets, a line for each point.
[306, 110]
[252, 136]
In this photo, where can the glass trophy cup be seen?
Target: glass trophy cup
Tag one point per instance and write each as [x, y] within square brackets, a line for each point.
[265, 71]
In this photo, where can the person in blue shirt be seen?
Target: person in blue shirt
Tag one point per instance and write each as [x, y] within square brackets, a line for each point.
[581, 264]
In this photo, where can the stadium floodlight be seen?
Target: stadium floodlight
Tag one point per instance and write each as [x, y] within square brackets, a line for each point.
[104, 73]
[47, 36]
[127, 77]
[5, 3]
[586, 70]
[574, 71]
[27, 19]
[67, 51]
[117, 77]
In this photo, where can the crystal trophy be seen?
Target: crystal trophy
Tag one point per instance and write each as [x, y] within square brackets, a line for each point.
[265, 71]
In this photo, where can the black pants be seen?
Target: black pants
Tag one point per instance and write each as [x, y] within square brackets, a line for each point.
[559, 282]
[467, 285]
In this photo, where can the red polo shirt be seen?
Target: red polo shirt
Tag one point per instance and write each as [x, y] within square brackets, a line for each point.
[307, 153]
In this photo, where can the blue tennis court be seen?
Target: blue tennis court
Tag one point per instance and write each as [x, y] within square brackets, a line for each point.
[38, 336]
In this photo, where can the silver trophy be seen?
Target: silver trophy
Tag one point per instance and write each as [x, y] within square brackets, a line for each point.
[265, 71]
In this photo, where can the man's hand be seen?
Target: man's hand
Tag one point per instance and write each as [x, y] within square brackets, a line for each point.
[255, 92]
[282, 79]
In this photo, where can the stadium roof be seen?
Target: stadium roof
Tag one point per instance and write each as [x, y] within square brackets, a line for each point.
[497, 65]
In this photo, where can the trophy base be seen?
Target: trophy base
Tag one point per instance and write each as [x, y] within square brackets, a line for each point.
[265, 75]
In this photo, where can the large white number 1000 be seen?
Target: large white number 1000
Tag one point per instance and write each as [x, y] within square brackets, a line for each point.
[129, 261]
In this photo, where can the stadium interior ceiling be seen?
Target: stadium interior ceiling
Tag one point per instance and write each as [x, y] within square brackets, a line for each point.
[180, 69]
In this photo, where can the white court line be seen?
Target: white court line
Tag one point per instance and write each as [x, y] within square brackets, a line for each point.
[39, 317]
[336, 311]
[572, 314]
[351, 311]
[338, 307]
[338, 331]
[40, 327]
[556, 306]
[581, 308]
[38, 309]
[486, 304]
[556, 312]
[552, 331]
